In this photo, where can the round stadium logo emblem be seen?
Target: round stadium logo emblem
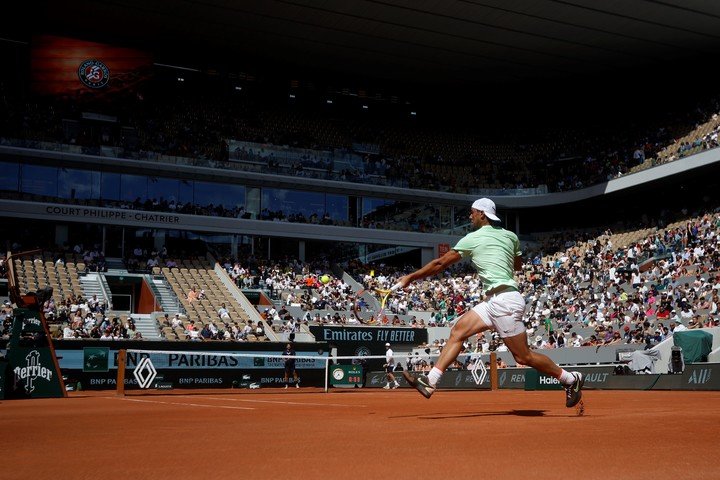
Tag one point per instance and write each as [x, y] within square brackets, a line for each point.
[93, 74]
[362, 351]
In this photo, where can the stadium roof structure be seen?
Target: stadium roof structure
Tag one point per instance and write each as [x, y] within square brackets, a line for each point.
[433, 42]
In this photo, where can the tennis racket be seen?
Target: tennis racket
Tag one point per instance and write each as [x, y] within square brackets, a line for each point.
[355, 304]
[384, 295]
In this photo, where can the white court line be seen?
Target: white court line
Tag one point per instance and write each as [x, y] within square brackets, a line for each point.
[278, 402]
[183, 404]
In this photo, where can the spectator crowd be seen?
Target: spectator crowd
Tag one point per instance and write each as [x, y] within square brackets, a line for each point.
[590, 292]
[198, 126]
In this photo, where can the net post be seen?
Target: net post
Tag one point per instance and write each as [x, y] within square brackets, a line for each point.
[122, 354]
[493, 371]
[327, 364]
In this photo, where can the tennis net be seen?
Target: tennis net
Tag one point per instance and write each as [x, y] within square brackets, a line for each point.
[158, 369]
[140, 370]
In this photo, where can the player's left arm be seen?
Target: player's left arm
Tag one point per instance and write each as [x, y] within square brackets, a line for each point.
[518, 263]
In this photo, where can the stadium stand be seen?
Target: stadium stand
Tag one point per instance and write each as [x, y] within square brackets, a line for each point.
[206, 301]
[286, 141]
[605, 291]
[585, 292]
[575, 281]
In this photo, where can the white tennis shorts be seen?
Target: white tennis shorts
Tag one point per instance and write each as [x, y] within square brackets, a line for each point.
[503, 312]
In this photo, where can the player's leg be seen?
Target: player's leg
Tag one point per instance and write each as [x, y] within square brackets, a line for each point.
[296, 378]
[392, 380]
[468, 325]
[387, 377]
[573, 381]
[520, 350]
[287, 378]
[506, 311]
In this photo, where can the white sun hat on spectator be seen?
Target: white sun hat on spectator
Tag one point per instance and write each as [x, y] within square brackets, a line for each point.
[487, 206]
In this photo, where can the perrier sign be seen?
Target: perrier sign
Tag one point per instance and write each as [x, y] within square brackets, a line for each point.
[31, 370]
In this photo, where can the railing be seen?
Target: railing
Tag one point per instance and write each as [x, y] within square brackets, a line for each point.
[102, 281]
[157, 303]
[250, 166]
[335, 160]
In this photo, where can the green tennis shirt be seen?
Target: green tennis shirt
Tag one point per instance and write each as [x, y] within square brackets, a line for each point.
[492, 251]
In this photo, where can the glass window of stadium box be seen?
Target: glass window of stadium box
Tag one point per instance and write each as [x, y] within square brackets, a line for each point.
[230, 198]
[79, 184]
[110, 186]
[133, 187]
[39, 180]
[398, 215]
[9, 176]
[303, 206]
[121, 190]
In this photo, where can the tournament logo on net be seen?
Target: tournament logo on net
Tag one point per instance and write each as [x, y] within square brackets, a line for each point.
[94, 73]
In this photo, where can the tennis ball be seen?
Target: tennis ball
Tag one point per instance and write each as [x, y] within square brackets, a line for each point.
[325, 279]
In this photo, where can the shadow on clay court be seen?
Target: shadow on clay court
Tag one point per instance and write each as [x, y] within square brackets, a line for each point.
[198, 392]
[441, 416]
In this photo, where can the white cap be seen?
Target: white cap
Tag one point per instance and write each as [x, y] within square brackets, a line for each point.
[387, 344]
[487, 206]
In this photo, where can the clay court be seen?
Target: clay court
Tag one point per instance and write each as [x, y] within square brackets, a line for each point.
[351, 434]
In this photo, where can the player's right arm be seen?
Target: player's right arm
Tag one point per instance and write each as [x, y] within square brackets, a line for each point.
[433, 267]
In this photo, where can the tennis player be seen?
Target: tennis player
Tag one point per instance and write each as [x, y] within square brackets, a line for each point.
[390, 368]
[290, 366]
[495, 253]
